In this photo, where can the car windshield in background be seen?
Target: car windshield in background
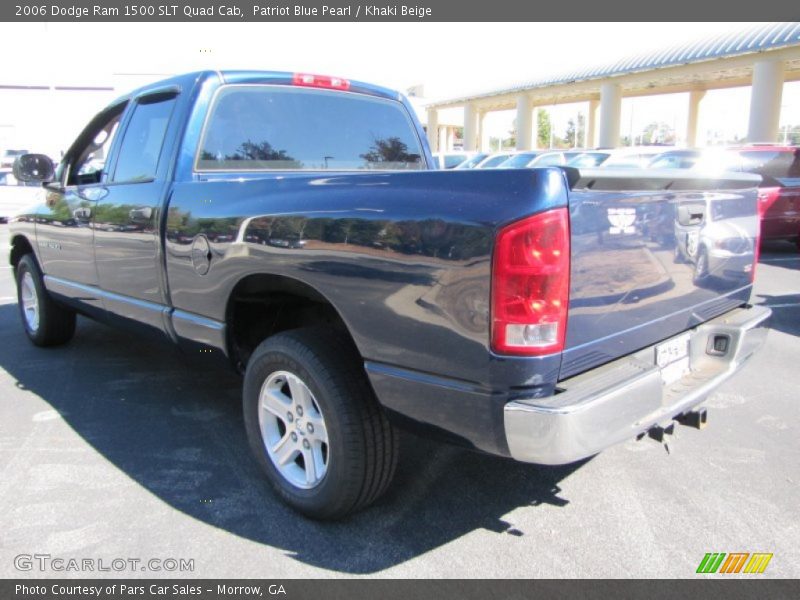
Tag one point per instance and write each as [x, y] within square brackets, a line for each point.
[675, 160]
[550, 159]
[519, 161]
[451, 161]
[472, 162]
[494, 161]
[588, 159]
[259, 127]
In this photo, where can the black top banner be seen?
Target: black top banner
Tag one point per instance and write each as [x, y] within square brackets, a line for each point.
[388, 11]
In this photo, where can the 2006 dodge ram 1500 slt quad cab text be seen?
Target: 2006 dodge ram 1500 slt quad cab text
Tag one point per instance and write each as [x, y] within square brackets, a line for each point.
[294, 225]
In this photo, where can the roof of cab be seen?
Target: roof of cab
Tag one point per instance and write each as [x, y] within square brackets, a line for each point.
[247, 77]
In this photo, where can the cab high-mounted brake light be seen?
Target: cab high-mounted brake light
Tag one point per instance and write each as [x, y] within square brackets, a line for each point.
[321, 81]
[530, 285]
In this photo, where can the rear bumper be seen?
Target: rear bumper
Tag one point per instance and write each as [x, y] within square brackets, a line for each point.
[624, 398]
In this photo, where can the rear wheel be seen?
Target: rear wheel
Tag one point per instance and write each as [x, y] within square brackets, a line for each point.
[46, 322]
[314, 424]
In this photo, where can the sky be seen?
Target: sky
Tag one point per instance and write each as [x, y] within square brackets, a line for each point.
[448, 59]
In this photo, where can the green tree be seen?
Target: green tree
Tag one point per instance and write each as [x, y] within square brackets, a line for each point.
[543, 128]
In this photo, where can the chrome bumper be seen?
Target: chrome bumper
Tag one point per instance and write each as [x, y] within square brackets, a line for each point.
[626, 397]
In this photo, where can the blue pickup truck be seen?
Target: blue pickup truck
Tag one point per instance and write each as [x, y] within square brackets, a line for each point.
[294, 226]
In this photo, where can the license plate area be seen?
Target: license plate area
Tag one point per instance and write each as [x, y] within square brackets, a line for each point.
[672, 358]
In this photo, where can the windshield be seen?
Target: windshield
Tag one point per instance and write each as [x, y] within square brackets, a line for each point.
[453, 160]
[519, 161]
[588, 159]
[494, 161]
[472, 162]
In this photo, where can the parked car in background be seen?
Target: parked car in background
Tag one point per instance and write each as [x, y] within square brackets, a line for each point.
[633, 157]
[779, 192]
[588, 159]
[474, 161]
[450, 160]
[709, 234]
[9, 156]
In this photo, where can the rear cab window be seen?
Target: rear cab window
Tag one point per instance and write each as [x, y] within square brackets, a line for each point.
[274, 127]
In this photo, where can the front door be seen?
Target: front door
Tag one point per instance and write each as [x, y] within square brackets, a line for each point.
[64, 227]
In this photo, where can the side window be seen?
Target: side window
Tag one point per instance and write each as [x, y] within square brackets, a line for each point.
[143, 139]
[88, 158]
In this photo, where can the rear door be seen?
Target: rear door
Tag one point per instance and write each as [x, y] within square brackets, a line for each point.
[127, 213]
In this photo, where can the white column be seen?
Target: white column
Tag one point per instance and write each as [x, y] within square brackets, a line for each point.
[450, 137]
[484, 133]
[591, 124]
[524, 123]
[765, 101]
[470, 127]
[535, 129]
[433, 129]
[610, 111]
[695, 96]
[443, 147]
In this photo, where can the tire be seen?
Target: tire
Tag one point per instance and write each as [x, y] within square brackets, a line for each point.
[701, 268]
[355, 463]
[46, 323]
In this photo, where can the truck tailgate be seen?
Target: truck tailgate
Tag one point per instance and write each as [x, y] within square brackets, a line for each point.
[653, 254]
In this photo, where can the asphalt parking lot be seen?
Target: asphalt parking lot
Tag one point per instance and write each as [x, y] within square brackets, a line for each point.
[115, 447]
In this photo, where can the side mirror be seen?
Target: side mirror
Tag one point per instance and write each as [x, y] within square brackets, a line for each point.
[34, 168]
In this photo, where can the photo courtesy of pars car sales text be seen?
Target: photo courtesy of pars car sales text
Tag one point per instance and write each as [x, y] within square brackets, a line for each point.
[152, 590]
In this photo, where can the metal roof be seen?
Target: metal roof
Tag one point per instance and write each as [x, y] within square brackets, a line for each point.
[753, 39]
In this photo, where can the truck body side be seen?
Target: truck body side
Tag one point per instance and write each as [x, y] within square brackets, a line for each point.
[402, 263]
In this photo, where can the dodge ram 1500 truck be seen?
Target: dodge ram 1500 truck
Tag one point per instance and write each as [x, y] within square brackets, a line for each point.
[293, 224]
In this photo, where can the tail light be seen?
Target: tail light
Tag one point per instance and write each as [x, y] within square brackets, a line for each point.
[530, 285]
[321, 81]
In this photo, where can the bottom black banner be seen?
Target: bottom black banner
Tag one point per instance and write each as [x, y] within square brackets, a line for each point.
[383, 589]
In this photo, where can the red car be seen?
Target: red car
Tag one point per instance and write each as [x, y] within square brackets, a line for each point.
[779, 166]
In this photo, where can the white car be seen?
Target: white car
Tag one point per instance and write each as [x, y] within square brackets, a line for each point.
[16, 197]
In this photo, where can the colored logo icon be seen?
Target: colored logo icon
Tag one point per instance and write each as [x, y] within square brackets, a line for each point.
[735, 562]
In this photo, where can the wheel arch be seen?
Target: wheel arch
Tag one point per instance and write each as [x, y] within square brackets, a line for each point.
[263, 304]
[20, 246]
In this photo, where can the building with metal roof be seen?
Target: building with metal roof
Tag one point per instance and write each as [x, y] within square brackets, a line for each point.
[763, 57]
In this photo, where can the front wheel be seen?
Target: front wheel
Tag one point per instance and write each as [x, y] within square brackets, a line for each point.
[314, 424]
[46, 322]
